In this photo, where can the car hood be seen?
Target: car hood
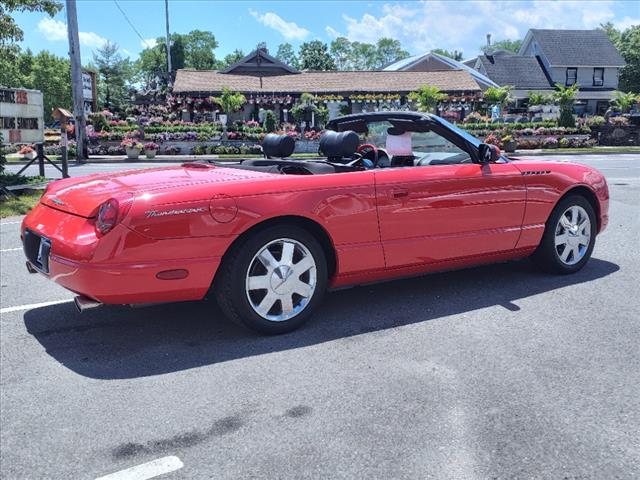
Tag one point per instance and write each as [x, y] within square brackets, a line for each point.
[83, 195]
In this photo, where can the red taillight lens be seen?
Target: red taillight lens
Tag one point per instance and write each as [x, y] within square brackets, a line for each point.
[111, 213]
[107, 216]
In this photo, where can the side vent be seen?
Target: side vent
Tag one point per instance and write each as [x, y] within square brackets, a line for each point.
[536, 172]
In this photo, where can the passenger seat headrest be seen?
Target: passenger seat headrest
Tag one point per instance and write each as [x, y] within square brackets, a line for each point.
[278, 145]
[339, 144]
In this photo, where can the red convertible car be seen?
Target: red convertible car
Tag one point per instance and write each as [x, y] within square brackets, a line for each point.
[393, 194]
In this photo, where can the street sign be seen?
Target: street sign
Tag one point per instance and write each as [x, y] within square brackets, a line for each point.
[89, 96]
[21, 115]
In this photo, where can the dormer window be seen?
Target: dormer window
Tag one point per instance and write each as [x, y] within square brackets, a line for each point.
[572, 76]
[598, 77]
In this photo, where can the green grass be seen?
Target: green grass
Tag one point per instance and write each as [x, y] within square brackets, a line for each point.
[18, 205]
[578, 151]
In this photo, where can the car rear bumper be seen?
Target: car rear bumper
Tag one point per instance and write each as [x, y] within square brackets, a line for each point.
[134, 283]
[122, 267]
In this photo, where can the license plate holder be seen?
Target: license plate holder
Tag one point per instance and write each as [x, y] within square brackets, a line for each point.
[37, 248]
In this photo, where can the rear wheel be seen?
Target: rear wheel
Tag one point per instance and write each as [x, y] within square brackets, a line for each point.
[569, 236]
[274, 280]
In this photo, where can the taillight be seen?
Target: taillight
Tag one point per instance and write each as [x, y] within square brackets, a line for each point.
[111, 213]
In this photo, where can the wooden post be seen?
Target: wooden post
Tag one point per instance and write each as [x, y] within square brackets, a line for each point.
[64, 152]
[40, 153]
[76, 78]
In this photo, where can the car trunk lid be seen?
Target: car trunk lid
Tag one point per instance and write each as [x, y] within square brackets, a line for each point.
[83, 196]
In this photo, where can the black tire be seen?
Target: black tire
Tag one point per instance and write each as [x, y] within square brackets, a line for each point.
[230, 284]
[547, 257]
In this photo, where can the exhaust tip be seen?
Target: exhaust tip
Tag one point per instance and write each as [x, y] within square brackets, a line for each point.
[83, 303]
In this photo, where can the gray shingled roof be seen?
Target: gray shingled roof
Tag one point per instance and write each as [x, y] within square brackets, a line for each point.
[521, 72]
[578, 48]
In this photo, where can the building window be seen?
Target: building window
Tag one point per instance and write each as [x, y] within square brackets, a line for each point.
[598, 77]
[572, 76]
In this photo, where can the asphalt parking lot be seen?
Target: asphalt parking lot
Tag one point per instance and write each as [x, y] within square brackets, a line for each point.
[492, 372]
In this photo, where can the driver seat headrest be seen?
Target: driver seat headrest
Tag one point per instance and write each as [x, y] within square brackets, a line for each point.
[339, 144]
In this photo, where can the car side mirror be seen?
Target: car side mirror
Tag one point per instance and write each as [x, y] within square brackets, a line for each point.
[488, 153]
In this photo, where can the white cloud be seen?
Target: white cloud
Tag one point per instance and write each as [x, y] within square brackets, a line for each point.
[289, 30]
[422, 26]
[56, 30]
[91, 39]
[148, 43]
[332, 32]
[53, 30]
[627, 22]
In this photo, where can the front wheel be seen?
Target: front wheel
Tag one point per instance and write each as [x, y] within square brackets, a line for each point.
[274, 280]
[569, 236]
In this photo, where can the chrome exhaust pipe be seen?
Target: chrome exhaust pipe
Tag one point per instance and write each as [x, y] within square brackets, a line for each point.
[85, 303]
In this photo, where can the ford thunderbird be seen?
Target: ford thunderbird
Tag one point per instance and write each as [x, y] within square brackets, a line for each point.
[391, 194]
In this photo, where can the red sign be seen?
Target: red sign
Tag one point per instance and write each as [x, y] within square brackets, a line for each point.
[15, 136]
[21, 97]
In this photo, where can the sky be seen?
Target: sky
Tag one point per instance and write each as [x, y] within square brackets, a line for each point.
[420, 26]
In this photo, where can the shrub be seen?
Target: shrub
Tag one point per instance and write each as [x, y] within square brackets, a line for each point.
[564, 143]
[595, 121]
[131, 143]
[172, 150]
[269, 121]
[619, 121]
[199, 150]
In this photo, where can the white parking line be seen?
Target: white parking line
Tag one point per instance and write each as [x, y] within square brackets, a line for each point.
[18, 308]
[147, 470]
[11, 249]
[9, 223]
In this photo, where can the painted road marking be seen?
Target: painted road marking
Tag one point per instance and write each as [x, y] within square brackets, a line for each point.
[147, 470]
[18, 308]
[11, 249]
[10, 223]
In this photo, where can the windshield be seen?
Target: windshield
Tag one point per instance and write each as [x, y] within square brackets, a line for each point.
[464, 134]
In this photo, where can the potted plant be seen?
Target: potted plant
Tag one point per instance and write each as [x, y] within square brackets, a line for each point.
[150, 149]
[27, 152]
[427, 98]
[509, 143]
[229, 102]
[132, 147]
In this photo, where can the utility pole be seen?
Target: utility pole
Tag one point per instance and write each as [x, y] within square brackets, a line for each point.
[169, 70]
[76, 79]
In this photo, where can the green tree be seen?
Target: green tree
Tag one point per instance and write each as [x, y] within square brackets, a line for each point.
[628, 44]
[498, 95]
[229, 101]
[624, 101]
[342, 53]
[52, 76]
[564, 97]
[536, 98]
[232, 58]
[456, 55]
[388, 51]
[152, 62]
[287, 55]
[10, 32]
[364, 56]
[427, 98]
[198, 50]
[508, 45]
[115, 77]
[314, 55]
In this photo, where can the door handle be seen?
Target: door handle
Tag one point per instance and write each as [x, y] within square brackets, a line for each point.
[399, 192]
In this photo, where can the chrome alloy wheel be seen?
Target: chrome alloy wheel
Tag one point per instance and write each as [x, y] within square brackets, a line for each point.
[573, 235]
[281, 279]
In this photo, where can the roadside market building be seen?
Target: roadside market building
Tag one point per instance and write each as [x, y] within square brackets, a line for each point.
[269, 84]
